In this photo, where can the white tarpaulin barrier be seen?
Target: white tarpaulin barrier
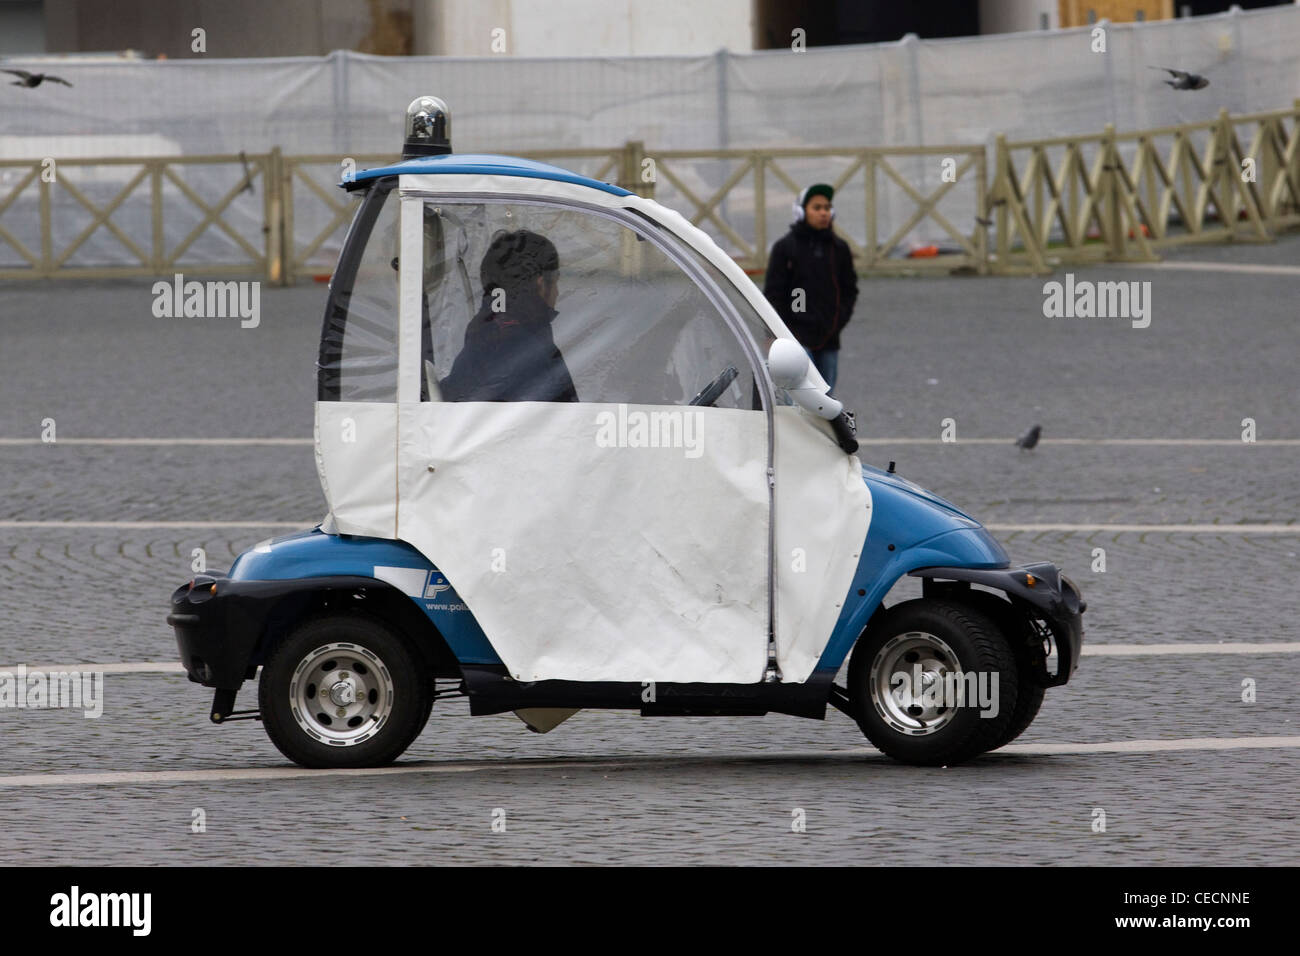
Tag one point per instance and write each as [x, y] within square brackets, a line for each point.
[1026, 85]
[911, 93]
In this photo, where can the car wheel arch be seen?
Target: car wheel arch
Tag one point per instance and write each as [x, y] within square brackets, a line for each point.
[375, 600]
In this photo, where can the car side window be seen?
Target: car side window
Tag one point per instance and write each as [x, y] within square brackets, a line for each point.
[358, 360]
[532, 302]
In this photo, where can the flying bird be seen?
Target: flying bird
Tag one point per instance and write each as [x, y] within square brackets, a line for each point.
[1030, 438]
[1182, 80]
[33, 80]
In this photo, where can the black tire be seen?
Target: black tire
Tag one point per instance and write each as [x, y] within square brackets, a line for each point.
[1025, 644]
[955, 639]
[377, 704]
[1028, 703]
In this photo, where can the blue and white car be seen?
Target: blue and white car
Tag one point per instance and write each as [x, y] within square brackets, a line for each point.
[684, 528]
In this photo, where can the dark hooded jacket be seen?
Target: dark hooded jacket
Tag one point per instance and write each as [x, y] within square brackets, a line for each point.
[510, 356]
[820, 263]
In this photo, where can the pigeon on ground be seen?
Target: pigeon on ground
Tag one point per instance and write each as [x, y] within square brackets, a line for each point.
[1182, 80]
[33, 80]
[1030, 438]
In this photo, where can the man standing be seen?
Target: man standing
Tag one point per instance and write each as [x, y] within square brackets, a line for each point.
[810, 280]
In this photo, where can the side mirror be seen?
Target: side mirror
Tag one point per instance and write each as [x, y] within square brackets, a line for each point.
[789, 365]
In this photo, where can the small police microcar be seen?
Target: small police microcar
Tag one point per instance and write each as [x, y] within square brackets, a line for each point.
[573, 459]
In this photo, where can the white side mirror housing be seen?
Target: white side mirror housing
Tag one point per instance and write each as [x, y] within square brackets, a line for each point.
[788, 363]
[790, 368]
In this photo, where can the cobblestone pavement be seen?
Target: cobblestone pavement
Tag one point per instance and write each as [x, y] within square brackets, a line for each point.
[634, 790]
[613, 787]
[1220, 347]
[727, 808]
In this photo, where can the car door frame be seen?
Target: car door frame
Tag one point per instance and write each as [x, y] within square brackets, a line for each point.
[411, 316]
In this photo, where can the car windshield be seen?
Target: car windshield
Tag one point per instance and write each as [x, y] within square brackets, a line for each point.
[754, 324]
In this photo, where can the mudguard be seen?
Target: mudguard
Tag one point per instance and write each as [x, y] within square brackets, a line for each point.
[1048, 594]
[910, 528]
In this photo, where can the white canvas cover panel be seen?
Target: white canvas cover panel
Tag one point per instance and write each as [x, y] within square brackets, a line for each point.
[584, 562]
[823, 511]
[356, 456]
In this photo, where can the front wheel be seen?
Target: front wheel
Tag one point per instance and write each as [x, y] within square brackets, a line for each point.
[1027, 646]
[343, 691]
[933, 683]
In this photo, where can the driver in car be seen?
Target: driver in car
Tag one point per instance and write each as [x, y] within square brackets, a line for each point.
[510, 353]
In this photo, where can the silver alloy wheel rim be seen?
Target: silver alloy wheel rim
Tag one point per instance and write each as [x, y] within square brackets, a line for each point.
[341, 694]
[903, 705]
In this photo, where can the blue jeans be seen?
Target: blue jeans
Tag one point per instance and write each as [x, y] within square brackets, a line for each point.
[827, 362]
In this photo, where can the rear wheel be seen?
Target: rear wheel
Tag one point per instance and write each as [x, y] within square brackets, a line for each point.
[933, 683]
[343, 691]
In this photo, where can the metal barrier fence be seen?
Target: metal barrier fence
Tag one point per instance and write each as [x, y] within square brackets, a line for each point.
[1110, 196]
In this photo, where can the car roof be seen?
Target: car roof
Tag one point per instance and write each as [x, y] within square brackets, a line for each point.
[486, 164]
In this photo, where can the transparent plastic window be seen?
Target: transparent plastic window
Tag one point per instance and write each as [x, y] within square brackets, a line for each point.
[524, 301]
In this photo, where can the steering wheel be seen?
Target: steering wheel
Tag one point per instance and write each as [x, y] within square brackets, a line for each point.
[713, 391]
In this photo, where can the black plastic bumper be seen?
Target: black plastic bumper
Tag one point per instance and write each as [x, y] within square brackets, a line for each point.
[220, 623]
[217, 624]
[1048, 593]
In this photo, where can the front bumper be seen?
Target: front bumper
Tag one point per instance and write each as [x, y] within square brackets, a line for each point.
[224, 626]
[218, 624]
[1044, 592]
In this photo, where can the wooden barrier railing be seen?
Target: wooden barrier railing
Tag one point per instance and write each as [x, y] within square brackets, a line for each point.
[1110, 196]
[135, 194]
[745, 193]
[1125, 196]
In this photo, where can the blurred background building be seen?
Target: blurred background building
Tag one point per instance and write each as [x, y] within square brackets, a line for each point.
[256, 28]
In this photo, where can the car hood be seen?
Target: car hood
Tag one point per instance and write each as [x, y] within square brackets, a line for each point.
[871, 474]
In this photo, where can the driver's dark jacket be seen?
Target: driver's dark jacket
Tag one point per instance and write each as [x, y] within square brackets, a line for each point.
[510, 356]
